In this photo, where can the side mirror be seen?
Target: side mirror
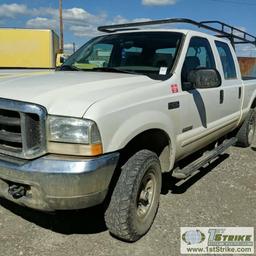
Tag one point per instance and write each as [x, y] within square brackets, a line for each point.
[204, 78]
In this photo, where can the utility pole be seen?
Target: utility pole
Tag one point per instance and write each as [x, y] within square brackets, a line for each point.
[61, 27]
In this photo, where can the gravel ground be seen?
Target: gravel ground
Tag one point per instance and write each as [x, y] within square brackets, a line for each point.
[223, 194]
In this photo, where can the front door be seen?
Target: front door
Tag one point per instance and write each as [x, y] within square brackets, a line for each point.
[202, 115]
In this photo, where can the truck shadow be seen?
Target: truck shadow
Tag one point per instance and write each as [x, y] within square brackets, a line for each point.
[88, 221]
[171, 184]
[200, 106]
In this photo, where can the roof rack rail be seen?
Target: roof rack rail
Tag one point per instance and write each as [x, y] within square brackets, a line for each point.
[235, 35]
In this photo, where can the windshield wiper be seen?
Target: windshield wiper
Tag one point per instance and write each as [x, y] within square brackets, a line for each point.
[69, 68]
[111, 69]
[102, 69]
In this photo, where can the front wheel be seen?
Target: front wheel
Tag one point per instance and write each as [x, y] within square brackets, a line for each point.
[135, 199]
[246, 133]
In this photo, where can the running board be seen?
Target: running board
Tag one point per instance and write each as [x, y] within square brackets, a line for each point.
[203, 160]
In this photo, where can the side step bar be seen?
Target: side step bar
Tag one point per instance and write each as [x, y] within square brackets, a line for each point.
[203, 160]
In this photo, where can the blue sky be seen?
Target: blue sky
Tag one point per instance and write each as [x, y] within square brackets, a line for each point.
[81, 17]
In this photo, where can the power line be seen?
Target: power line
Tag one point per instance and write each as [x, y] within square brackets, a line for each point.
[233, 2]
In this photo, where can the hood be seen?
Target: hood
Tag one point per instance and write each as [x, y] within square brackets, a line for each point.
[67, 93]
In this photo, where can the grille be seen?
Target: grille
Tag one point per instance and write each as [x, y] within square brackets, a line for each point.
[10, 131]
[22, 129]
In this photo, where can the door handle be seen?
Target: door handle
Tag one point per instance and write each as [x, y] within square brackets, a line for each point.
[221, 96]
[239, 92]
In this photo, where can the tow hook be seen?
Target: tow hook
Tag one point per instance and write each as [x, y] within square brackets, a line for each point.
[17, 191]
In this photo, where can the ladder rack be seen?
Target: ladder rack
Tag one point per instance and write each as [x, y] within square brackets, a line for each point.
[235, 35]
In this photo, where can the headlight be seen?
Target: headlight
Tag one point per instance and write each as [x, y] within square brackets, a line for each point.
[73, 130]
[73, 136]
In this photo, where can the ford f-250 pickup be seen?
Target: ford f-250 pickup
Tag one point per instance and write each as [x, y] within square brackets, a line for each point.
[127, 106]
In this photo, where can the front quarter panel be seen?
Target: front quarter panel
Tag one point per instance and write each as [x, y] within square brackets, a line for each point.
[129, 128]
[121, 117]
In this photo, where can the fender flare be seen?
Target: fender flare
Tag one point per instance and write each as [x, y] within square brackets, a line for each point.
[140, 123]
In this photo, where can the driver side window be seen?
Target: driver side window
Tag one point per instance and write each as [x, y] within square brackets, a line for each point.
[199, 55]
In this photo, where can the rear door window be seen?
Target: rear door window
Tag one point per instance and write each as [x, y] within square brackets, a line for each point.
[227, 60]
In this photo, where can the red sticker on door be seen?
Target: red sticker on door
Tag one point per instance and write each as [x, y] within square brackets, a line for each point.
[174, 88]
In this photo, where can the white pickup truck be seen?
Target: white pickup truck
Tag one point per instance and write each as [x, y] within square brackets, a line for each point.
[127, 106]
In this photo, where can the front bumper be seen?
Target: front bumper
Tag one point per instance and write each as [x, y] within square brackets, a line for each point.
[58, 182]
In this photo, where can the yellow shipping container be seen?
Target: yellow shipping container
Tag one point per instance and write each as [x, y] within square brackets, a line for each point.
[28, 48]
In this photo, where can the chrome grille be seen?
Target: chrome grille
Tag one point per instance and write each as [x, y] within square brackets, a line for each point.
[10, 131]
[22, 129]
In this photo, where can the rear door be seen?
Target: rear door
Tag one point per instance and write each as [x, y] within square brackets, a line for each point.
[231, 83]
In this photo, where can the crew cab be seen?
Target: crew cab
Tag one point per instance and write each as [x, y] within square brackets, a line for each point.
[127, 106]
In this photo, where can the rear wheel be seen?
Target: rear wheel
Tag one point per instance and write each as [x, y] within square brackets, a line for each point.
[246, 133]
[135, 199]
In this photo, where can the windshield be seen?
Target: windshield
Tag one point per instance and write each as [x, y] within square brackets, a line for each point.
[147, 53]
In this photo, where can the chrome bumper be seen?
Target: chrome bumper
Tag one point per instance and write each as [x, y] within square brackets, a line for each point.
[58, 183]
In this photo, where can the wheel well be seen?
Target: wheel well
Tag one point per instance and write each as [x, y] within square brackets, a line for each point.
[155, 140]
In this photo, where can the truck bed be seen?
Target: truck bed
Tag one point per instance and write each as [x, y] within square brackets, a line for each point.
[245, 78]
[247, 67]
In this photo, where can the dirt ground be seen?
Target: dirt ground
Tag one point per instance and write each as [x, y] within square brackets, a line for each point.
[222, 194]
